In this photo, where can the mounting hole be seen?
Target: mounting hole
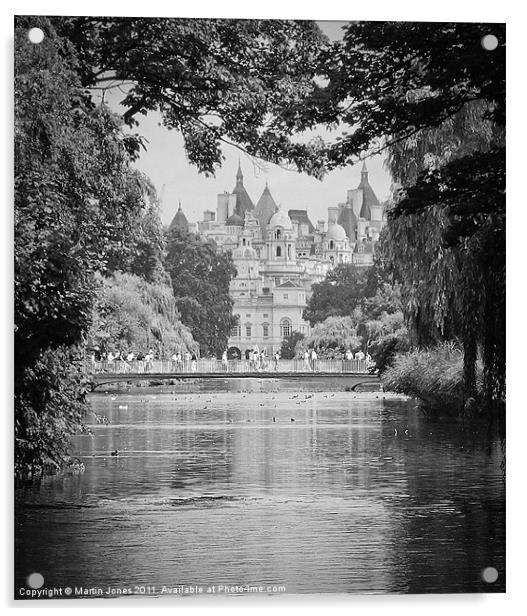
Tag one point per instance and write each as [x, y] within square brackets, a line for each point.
[489, 42]
[36, 35]
[489, 575]
[35, 580]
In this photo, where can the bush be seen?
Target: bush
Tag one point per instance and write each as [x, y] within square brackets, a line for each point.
[386, 348]
[49, 408]
[434, 376]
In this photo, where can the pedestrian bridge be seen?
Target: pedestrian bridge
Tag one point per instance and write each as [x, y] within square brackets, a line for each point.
[355, 372]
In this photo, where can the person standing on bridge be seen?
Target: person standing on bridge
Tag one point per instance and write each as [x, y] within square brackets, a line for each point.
[306, 360]
[225, 361]
[276, 360]
[314, 358]
[194, 363]
[109, 361]
[349, 359]
[187, 361]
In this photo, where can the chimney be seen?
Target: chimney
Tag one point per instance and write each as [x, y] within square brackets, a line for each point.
[333, 213]
[223, 207]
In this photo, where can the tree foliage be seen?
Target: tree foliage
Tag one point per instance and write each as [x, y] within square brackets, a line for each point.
[289, 344]
[77, 202]
[49, 408]
[339, 293]
[201, 276]
[386, 81]
[332, 338]
[131, 314]
[79, 210]
[214, 80]
[446, 242]
[435, 98]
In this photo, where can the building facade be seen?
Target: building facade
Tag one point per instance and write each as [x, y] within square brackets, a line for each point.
[279, 255]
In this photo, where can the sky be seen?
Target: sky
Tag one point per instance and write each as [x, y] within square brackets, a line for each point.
[176, 180]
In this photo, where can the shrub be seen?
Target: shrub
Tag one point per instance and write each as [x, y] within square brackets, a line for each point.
[434, 376]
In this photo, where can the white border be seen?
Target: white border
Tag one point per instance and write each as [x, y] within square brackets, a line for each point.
[445, 10]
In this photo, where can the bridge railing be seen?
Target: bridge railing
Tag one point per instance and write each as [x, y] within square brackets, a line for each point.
[215, 366]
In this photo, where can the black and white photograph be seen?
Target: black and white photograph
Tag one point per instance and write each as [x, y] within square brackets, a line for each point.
[259, 307]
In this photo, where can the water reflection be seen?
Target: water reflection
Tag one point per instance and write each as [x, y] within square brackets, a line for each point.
[320, 490]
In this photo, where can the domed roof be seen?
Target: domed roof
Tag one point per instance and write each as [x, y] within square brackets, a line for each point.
[281, 219]
[336, 232]
[234, 221]
[244, 252]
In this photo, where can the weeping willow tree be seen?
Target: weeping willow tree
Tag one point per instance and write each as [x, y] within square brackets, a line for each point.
[445, 240]
[331, 338]
[132, 314]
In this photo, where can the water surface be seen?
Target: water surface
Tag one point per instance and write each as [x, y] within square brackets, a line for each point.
[340, 492]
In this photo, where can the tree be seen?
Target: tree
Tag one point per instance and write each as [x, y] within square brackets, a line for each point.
[385, 337]
[433, 97]
[338, 294]
[332, 338]
[446, 242]
[289, 344]
[49, 408]
[131, 314]
[201, 276]
[76, 202]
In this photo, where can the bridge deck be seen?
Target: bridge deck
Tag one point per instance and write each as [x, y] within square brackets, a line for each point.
[104, 378]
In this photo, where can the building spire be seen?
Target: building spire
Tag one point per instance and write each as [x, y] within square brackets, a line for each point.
[239, 174]
[364, 171]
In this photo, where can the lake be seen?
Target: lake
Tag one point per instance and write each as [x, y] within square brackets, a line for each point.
[267, 486]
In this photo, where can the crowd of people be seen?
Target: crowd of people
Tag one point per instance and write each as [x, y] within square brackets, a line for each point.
[141, 362]
[257, 360]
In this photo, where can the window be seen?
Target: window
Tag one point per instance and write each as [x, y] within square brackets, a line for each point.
[278, 234]
[236, 330]
[278, 251]
[265, 328]
[285, 328]
[331, 244]
[266, 315]
[247, 315]
[248, 330]
[289, 251]
[286, 295]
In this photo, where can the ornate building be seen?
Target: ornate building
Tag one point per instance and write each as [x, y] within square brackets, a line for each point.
[279, 255]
